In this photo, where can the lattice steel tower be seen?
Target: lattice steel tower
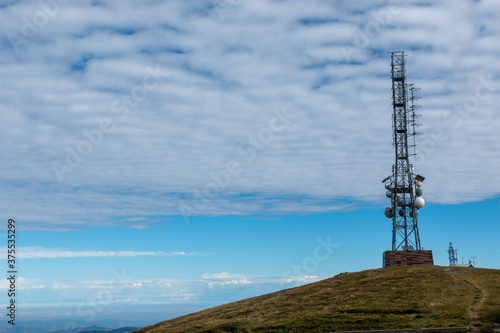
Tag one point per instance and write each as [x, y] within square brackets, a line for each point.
[403, 186]
[452, 255]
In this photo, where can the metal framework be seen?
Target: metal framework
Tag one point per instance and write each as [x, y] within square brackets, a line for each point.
[473, 259]
[403, 185]
[452, 255]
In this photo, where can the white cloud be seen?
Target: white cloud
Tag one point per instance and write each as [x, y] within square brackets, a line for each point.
[299, 280]
[20, 282]
[230, 282]
[40, 252]
[223, 275]
[38, 286]
[225, 279]
[59, 285]
[326, 62]
[157, 290]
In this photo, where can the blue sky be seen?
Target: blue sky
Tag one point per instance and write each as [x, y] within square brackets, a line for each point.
[164, 157]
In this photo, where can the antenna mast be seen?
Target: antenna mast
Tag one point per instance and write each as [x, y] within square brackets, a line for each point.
[403, 186]
[452, 255]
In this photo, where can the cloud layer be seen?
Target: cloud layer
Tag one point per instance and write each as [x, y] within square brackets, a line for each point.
[125, 113]
[40, 252]
[125, 290]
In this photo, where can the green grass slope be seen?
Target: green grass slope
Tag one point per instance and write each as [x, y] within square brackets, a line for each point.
[388, 298]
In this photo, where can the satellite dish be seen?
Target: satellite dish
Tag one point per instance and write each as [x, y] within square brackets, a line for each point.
[418, 183]
[388, 194]
[401, 213]
[388, 212]
[399, 199]
[418, 192]
[387, 186]
[419, 202]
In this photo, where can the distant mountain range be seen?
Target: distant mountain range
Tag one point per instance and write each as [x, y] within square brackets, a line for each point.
[103, 330]
[53, 326]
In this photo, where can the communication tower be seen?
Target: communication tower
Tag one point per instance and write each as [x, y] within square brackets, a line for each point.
[473, 260]
[452, 255]
[403, 186]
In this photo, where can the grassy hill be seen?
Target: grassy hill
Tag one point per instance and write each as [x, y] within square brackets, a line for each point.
[388, 298]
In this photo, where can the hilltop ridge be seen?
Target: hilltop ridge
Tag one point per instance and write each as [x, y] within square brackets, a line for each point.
[388, 298]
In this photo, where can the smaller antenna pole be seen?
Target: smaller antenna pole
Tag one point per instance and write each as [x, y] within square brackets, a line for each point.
[452, 255]
[474, 260]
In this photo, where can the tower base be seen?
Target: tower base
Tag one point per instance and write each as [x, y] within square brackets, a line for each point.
[407, 258]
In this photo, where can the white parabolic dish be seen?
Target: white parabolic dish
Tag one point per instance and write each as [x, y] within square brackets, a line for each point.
[419, 202]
